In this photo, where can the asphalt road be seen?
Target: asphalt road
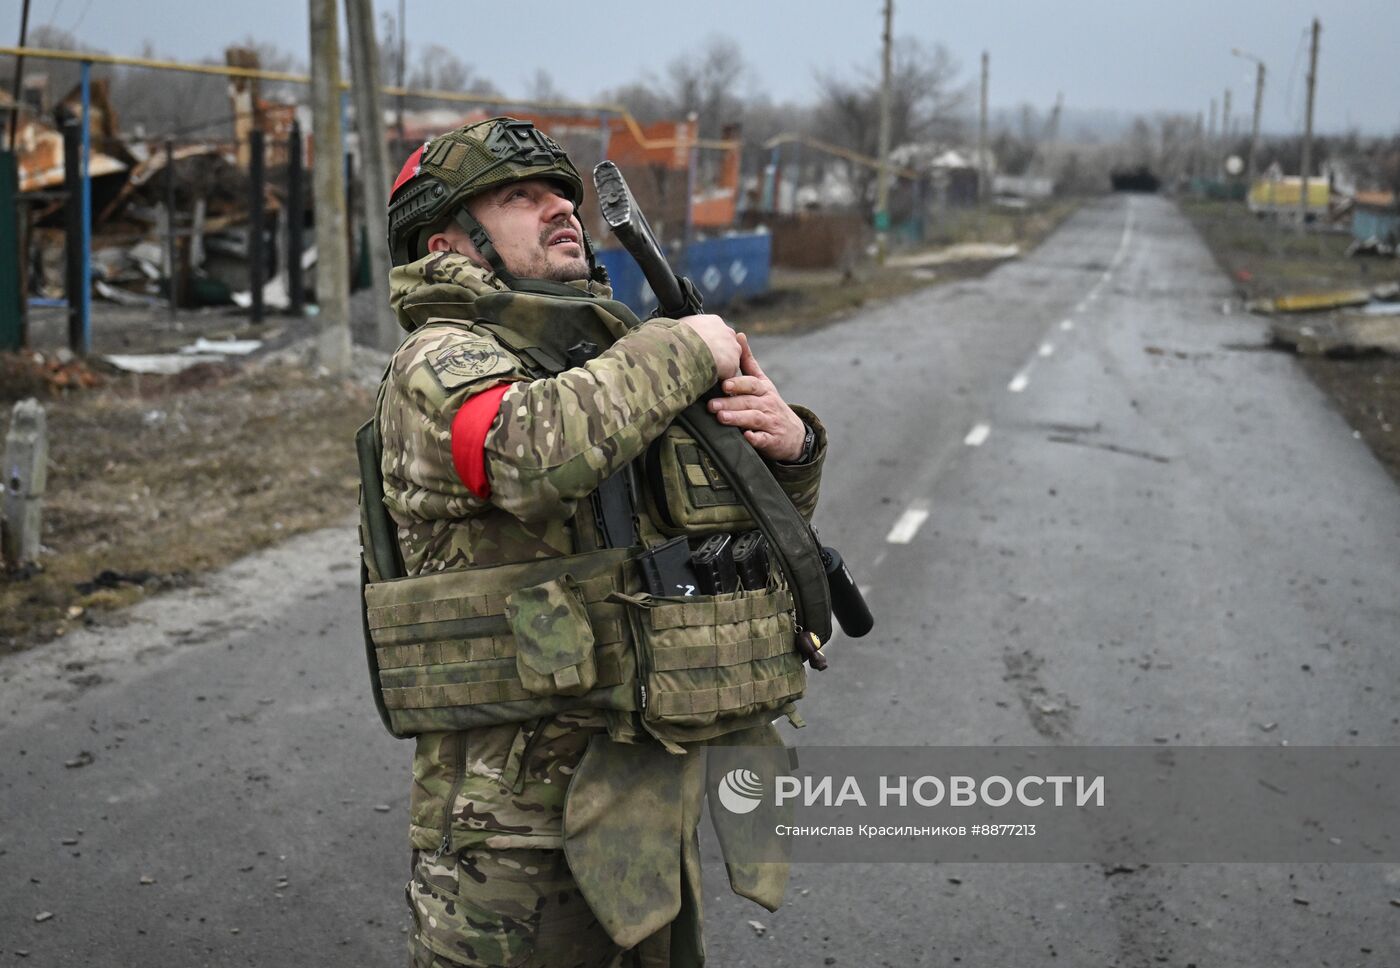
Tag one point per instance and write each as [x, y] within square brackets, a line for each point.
[1087, 510]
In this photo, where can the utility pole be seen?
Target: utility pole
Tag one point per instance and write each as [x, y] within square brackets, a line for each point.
[1212, 146]
[984, 190]
[1225, 127]
[328, 189]
[374, 166]
[1199, 144]
[1308, 128]
[403, 72]
[882, 181]
[19, 74]
[1252, 166]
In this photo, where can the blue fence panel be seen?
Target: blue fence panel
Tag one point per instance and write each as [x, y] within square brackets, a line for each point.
[1370, 224]
[724, 269]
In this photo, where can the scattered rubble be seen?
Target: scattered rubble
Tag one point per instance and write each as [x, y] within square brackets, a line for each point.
[1308, 302]
[201, 351]
[1350, 335]
[963, 252]
[44, 374]
[1362, 321]
[165, 218]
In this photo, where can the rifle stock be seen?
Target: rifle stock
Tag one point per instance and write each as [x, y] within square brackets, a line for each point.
[627, 222]
[806, 564]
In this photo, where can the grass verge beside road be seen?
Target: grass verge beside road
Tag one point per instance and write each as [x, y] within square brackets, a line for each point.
[1266, 260]
[153, 480]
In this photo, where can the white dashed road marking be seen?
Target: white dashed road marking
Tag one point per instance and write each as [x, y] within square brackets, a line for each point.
[977, 435]
[1019, 382]
[1066, 325]
[1046, 349]
[908, 525]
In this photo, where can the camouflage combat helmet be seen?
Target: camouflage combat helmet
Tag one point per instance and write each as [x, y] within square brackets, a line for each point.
[440, 176]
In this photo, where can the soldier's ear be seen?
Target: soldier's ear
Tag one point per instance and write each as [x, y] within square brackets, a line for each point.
[455, 240]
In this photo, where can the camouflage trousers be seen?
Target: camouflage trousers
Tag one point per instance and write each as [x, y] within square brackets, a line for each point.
[515, 908]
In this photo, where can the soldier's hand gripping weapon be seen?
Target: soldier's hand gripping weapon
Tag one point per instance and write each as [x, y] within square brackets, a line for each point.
[820, 582]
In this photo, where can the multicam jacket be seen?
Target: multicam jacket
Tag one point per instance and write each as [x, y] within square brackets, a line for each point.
[557, 439]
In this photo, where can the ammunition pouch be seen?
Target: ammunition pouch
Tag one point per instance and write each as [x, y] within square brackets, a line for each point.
[713, 664]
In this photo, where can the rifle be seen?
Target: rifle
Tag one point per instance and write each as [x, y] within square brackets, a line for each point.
[820, 581]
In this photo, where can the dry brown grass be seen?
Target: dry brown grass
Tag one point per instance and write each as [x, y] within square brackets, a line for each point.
[154, 480]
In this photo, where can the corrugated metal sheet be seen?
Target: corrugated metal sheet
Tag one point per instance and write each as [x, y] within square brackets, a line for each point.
[724, 269]
[40, 149]
[1376, 199]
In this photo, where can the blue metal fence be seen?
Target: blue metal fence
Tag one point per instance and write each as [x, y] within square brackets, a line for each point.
[724, 269]
[1371, 223]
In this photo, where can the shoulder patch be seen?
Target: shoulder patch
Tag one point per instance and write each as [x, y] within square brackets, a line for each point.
[458, 364]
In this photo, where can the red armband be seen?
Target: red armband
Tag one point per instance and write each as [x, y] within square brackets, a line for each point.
[469, 429]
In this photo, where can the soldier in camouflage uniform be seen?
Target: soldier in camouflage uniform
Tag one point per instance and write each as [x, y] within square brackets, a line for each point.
[490, 882]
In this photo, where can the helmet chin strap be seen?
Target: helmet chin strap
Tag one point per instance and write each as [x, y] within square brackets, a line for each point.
[477, 233]
[482, 241]
[596, 271]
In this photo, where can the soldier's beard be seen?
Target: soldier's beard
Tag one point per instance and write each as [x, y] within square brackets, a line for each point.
[556, 270]
[576, 269]
[545, 261]
[567, 270]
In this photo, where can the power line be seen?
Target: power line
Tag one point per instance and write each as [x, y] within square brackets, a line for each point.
[1290, 108]
[81, 17]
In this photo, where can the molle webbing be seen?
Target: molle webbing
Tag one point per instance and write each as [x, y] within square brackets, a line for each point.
[710, 666]
[447, 657]
[724, 610]
[769, 693]
[498, 682]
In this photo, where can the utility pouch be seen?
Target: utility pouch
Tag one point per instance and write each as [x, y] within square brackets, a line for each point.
[712, 664]
[553, 638]
[688, 492]
[447, 653]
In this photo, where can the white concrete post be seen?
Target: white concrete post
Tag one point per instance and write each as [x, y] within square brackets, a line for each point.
[26, 474]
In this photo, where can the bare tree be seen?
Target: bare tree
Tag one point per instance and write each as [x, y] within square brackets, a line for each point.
[437, 68]
[542, 88]
[926, 104]
[61, 76]
[173, 103]
[389, 48]
[642, 99]
[1013, 152]
[707, 85]
[1176, 145]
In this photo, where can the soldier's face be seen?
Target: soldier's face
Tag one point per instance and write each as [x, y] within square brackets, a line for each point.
[533, 227]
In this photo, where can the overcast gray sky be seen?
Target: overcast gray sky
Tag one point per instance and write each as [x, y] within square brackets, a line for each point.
[1122, 55]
